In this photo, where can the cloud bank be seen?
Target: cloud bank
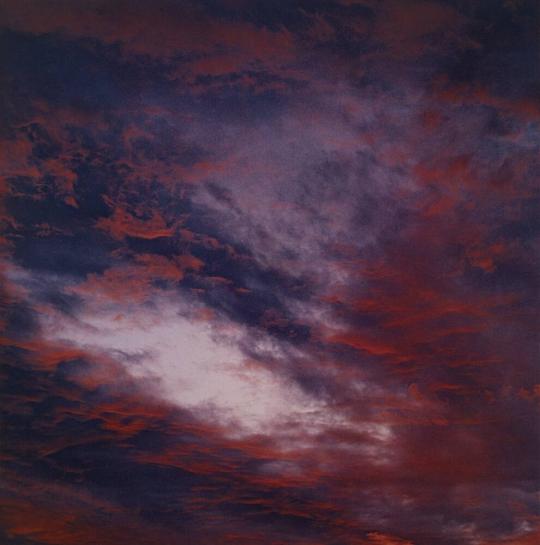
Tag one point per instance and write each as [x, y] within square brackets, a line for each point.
[270, 272]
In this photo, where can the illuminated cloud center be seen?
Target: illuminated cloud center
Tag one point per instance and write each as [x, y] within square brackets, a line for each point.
[189, 365]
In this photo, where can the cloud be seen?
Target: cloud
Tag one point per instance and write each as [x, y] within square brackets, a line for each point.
[270, 273]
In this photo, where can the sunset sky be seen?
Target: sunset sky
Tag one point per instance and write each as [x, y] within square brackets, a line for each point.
[270, 272]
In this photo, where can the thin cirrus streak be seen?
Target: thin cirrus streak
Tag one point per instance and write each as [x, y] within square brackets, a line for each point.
[270, 272]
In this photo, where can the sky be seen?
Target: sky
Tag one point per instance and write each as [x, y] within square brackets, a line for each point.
[270, 272]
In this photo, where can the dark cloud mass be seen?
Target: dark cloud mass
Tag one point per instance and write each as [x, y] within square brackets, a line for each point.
[270, 272]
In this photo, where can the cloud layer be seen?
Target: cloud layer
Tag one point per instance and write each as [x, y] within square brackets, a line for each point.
[270, 272]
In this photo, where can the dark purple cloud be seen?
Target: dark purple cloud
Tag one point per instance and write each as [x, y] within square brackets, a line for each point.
[270, 272]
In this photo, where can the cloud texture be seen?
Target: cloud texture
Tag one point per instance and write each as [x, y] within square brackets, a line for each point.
[270, 272]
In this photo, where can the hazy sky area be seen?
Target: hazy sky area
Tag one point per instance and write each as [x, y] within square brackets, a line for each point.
[270, 272]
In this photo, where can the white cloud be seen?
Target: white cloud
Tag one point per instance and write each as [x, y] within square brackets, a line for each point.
[189, 363]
